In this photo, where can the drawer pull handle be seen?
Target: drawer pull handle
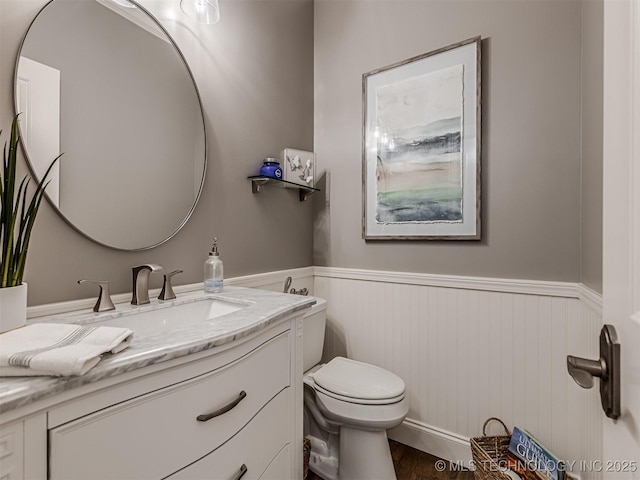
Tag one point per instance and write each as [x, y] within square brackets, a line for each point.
[230, 406]
[243, 470]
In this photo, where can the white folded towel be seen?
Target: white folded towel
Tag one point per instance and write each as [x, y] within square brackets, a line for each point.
[58, 349]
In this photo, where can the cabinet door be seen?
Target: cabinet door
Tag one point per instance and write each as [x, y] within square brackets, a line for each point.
[156, 434]
[248, 454]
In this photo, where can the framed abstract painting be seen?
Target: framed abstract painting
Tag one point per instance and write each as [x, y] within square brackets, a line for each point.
[421, 147]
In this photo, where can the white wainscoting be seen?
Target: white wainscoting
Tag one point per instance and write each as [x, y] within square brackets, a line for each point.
[472, 348]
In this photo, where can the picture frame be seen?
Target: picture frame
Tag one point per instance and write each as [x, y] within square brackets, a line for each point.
[299, 166]
[421, 146]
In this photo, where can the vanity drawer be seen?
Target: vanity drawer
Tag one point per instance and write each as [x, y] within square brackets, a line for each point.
[253, 448]
[156, 434]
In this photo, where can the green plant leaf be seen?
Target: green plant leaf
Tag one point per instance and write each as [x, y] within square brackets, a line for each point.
[18, 214]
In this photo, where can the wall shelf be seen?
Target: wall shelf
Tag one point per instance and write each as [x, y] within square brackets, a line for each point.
[259, 181]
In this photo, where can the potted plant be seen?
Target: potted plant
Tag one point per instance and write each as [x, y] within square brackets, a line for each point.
[17, 218]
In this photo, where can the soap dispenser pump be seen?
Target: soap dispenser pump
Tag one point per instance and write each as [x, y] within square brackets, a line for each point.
[213, 270]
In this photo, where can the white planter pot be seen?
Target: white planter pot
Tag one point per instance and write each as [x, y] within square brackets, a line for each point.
[13, 307]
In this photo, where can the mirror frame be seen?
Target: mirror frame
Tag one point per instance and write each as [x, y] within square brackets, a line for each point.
[204, 129]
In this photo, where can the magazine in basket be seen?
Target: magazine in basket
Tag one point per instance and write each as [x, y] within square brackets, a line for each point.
[528, 457]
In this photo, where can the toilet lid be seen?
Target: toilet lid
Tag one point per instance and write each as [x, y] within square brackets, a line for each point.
[358, 380]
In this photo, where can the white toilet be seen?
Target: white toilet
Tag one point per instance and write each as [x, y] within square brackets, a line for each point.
[348, 407]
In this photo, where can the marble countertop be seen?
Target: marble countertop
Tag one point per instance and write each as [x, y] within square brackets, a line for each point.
[260, 309]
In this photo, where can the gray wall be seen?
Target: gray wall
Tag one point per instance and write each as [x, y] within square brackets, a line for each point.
[255, 73]
[531, 132]
[592, 71]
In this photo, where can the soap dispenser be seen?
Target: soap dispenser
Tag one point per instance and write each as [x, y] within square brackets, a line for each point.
[213, 271]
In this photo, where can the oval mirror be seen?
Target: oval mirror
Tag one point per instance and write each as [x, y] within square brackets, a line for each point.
[103, 82]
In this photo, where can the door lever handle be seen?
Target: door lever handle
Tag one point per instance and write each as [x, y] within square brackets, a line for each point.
[583, 370]
[607, 368]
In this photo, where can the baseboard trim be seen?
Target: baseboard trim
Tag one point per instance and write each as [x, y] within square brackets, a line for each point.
[529, 287]
[249, 281]
[436, 441]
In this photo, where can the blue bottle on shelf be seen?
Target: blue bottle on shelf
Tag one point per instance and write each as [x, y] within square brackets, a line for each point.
[271, 168]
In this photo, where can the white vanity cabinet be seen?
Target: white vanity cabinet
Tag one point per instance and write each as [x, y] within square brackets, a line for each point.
[225, 413]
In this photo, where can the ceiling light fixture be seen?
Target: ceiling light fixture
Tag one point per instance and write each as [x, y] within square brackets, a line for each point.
[204, 11]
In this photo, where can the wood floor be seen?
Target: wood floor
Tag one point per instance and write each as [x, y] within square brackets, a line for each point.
[412, 464]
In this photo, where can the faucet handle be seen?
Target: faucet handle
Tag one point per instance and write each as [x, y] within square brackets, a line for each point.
[104, 303]
[167, 292]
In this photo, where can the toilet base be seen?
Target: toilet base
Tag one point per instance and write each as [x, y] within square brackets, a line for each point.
[364, 455]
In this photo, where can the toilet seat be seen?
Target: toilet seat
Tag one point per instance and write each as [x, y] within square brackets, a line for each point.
[357, 382]
[357, 401]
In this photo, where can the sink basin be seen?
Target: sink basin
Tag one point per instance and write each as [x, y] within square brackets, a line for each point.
[172, 317]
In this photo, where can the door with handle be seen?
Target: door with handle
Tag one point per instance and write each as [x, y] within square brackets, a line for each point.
[621, 227]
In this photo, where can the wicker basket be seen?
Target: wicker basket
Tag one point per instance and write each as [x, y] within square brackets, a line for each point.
[489, 453]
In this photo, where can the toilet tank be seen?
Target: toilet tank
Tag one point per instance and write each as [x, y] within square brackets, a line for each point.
[313, 326]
